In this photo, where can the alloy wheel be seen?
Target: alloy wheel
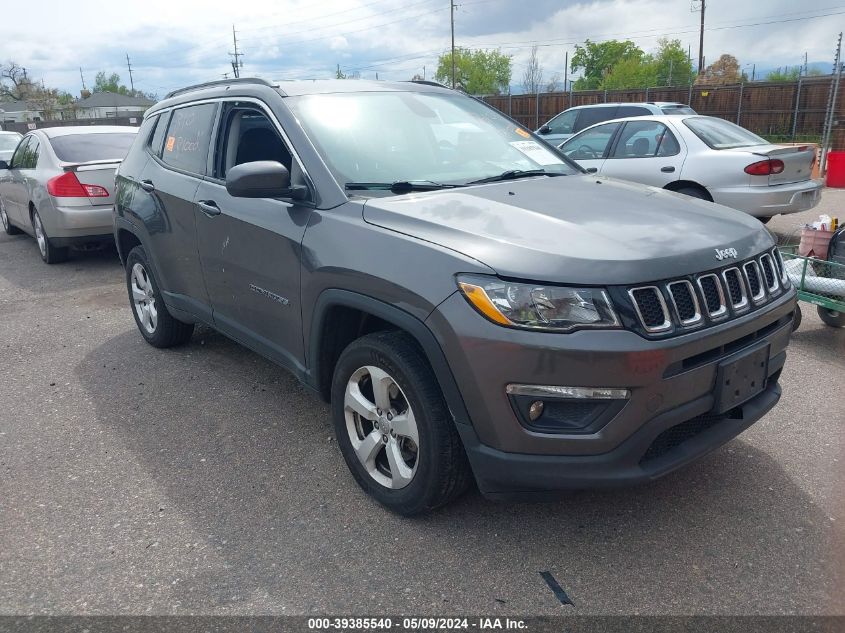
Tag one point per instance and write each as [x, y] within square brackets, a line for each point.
[381, 427]
[3, 217]
[39, 235]
[143, 299]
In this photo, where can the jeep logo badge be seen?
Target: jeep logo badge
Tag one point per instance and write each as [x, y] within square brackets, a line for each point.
[725, 253]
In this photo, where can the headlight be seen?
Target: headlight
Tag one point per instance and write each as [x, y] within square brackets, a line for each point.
[537, 306]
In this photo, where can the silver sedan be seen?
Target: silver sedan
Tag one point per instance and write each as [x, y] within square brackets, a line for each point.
[8, 142]
[59, 186]
[704, 157]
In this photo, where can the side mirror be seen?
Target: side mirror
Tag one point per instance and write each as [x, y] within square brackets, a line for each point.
[544, 129]
[262, 179]
[4, 164]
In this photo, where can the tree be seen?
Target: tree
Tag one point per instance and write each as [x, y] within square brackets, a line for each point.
[724, 70]
[631, 73]
[14, 83]
[532, 78]
[785, 74]
[596, 59]
[102, 83]
[476, 71]
[554, 83]
[673, 65]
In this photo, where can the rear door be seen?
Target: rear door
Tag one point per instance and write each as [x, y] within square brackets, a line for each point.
[250, 247]
[170, 180]
[647, 152]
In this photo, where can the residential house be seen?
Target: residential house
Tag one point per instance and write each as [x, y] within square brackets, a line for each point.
[20, 112]
[103, 105]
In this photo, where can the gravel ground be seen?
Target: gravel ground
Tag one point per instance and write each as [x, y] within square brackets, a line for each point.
[205, 480]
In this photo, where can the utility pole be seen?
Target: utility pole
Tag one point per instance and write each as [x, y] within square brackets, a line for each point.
[452, 15]
[566, 73]
[82, 77]
[831, 104]
[129, 66]
[805, 65]
[671, 66]
[700, 36]
[237, 62]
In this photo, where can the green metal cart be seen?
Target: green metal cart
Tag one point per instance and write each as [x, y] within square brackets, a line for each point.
[819, 282]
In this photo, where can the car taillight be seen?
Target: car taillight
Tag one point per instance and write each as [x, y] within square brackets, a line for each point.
[68, 186]
[765, 167]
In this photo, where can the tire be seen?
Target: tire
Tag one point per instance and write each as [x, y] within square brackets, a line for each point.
[4, 221]
[765, 220]
[434, 468]
[796, 318]
[49, 253]
[693, 192]
[831, 317]
[154, 322]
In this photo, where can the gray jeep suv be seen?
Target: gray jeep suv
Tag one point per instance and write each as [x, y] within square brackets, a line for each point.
[471, 303]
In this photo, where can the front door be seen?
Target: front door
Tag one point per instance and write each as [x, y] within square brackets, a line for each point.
[589, 148]
[250, 247]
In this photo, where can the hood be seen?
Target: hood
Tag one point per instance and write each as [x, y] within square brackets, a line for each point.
[574, 229]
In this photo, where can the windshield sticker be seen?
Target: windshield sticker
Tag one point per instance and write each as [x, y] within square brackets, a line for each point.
[536, 152]
[522, 132]
[171, 141]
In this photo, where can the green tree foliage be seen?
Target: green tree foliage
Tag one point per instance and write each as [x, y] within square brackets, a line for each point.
[596, 59]
[476, 71]
[672, 63]
[631, 73]
[668, 66]
[785, 74]
[110, 83]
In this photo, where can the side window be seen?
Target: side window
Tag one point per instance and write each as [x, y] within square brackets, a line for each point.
[591, 144]
[32, 154]
[645, 139]
[563, 123]
[625, 111]
[156, 140]
[188, 137]
[591, 116]
[248, 135]
[20, 156]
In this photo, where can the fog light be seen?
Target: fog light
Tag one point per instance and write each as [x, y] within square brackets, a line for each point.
[535, 410]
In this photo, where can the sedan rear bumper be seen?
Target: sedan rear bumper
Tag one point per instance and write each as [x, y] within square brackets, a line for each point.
[765, 202]
[80, 222]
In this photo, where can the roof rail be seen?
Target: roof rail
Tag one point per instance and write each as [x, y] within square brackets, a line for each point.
[428, 82]
[222, 82]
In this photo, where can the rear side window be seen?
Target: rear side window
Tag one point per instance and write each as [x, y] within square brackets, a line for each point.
[19, 159]
[682, 109]
[591, 116]
[156, 140]
[721, 134]
[632, 111]
[82, 148]
[645, 139]
[563, 123]
[188, 137]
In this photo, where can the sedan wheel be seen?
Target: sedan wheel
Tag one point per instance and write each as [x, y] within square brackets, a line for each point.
[381, 427]
[40, 237]
[49, 253]
[144, 299]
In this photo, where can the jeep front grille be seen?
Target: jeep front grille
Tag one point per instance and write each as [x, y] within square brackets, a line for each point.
[681, 304]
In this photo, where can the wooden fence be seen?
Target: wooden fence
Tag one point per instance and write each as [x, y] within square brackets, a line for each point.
[781, 112]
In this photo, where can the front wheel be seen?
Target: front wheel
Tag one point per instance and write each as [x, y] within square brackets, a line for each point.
[393, 427]
[154, 322]
[4, 220]
[831, 317]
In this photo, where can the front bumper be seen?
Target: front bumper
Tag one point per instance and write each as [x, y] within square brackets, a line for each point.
[672, 382]
[768, 201]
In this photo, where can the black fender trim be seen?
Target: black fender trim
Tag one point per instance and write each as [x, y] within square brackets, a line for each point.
[401, 319]
[122, 224]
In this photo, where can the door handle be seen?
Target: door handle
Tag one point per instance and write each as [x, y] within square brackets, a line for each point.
[667, 170]
[209, 207]
[592, 170]
[147, 185]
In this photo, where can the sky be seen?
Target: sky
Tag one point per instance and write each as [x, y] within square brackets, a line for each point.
[173, 43]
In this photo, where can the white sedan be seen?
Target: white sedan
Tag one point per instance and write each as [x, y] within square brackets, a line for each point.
[704, 157]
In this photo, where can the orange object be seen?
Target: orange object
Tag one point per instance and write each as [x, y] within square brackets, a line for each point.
[836, 169]
[814, 243]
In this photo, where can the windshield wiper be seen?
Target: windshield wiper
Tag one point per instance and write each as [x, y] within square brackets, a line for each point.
[399, 186]
[513, 174]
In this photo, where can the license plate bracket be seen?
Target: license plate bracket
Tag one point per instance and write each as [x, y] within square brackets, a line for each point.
[741, 377]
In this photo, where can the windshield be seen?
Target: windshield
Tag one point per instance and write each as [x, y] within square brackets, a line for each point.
[387, 137]
[721, 134]
[82, 148]
[8, 142]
